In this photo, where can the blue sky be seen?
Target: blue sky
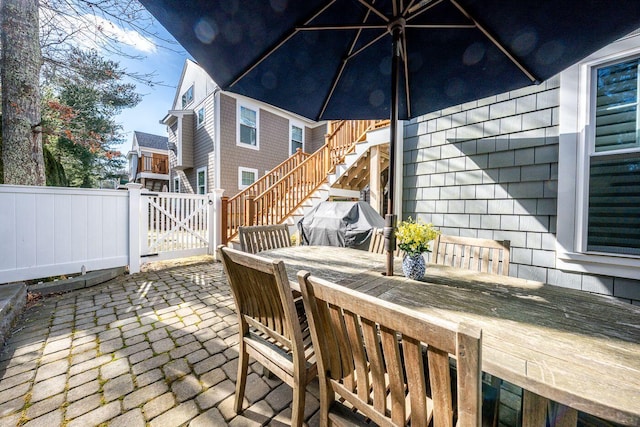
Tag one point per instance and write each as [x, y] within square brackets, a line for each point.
[156, 100]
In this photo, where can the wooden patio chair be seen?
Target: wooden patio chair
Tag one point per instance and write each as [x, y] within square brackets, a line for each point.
[376, 244]
[489, 256]
[370, 354]
[257, 238]
[273, 329]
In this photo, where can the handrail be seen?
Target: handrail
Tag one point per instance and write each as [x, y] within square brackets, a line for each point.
[284, 197]
[346, 135]
[235, 204]
[274, 174]
[153, 164]
[278, 201]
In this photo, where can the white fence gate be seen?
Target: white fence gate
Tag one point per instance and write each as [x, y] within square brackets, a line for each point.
[174, 225]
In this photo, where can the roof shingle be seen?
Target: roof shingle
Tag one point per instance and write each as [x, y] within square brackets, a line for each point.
[151, 141]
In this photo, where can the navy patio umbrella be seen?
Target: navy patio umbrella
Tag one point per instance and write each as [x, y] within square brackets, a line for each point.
[375, 59]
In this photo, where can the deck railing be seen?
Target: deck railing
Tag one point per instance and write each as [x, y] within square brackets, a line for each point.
[234, 206]
[291, 183]
[155, 164]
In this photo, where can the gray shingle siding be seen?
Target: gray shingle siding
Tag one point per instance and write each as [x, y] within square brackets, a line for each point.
[203, 140]
[316, 138]
[489, 169]
[188, 153]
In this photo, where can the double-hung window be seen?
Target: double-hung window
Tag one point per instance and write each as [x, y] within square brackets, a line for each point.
[248, 126]
[201, 178]
[599, 163]
[613, 224]
[296, 138]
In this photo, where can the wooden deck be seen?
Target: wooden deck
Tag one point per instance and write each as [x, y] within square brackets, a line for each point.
[560, 345]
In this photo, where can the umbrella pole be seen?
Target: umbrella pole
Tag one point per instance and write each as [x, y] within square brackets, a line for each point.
[396, 29]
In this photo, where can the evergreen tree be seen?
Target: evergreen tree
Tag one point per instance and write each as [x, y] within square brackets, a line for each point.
[79, 118]
[43, 35]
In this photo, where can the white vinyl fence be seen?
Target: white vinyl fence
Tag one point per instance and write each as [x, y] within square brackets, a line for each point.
[51, 231]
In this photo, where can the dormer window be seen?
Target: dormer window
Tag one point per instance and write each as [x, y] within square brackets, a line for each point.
[187, 97]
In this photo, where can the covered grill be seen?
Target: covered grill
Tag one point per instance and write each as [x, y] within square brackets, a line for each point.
[344, 224]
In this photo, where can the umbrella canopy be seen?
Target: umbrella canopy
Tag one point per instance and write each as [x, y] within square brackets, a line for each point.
[331, 59]
[374, 59]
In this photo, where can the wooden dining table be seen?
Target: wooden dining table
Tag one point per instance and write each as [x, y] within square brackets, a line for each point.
[568, 349]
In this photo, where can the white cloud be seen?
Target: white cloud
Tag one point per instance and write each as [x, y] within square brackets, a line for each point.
[94, 32]
[128, 37]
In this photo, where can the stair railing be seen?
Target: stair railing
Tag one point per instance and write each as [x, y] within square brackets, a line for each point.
[235, 206]
[279, 200]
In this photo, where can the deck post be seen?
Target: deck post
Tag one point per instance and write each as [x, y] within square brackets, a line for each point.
[224, 220]
[249, 210]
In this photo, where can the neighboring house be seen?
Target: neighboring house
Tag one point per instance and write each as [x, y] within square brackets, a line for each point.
[553, 168]
[149, 161]
[220, 140]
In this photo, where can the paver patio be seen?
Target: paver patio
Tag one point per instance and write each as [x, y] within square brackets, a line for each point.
[157, 348]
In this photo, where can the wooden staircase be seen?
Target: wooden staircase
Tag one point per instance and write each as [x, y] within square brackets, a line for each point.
[279, 194]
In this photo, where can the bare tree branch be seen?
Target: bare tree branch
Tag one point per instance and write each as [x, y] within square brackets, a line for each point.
[115, 28]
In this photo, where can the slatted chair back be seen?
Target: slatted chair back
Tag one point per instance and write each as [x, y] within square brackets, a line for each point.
[258, 238]
[371, 355]
[489, 256]
[376, 244]
[273, 329]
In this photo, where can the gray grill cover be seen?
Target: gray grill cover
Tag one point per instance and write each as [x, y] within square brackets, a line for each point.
[342, 224]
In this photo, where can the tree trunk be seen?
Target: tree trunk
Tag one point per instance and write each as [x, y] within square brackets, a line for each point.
[22, 156]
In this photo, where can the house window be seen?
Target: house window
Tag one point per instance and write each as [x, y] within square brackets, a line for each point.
[598, 228]
[200, 116]
[201, 178]
[176, 184]
[296, 138]
[187, 97]
[614, 160]
[248, 126]
[246, 177]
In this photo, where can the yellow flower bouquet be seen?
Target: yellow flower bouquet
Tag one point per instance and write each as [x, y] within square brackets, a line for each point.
[414, 236]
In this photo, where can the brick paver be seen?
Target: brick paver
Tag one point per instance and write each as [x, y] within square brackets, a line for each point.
[158, 348]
